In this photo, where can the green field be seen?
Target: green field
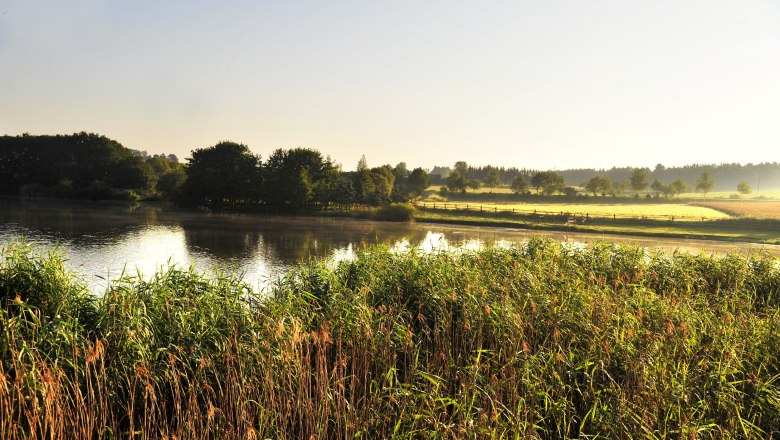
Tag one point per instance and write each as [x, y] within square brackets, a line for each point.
[538, 341]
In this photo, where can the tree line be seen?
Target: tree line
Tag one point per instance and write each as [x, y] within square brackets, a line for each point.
[229, 174]
[83, 165]
[87, 165]
[726, 177]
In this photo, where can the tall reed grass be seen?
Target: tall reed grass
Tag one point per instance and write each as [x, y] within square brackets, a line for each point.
[538, 341]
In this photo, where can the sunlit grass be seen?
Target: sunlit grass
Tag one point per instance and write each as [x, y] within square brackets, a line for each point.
[538, 341]
[746, 208]
[677, 210]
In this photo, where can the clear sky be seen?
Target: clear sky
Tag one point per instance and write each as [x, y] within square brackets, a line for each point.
[538, 84]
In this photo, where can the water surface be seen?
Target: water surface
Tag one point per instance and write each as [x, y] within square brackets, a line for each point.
[101, 241]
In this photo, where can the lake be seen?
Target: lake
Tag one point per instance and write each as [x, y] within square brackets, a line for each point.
[100, 241]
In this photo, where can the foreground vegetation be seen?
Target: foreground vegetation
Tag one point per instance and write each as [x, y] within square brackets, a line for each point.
[539, 341]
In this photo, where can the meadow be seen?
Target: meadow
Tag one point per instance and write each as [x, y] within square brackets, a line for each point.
[537, 341]
[768, 209]
[679, 211]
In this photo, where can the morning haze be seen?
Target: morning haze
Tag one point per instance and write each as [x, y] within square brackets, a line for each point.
[550, 85]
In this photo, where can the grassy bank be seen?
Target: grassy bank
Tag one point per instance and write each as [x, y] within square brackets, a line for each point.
[541, 341]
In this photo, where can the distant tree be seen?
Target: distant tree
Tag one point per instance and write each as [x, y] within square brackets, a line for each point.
[362, 164]
[639, 179]
[456, 182]
[344, 191]
[298, 178]
[549, 181]
[400, 186]
[383, 180]
[705, 183]
[621, 187]
[678, 187]
[493, 177]
[364, 186]
[473, 184]
[744, 188]
[599, 184]
[227, 173]
[169, 184]
[569, 191]
[418, 181]
[519, 186]
[462, 168]
[657, 187]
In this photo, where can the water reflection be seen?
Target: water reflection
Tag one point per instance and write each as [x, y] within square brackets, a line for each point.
[103, 241]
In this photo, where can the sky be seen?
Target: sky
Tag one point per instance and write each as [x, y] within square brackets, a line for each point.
[533, 84]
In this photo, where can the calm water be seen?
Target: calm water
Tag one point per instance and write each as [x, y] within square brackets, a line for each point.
[102, 241]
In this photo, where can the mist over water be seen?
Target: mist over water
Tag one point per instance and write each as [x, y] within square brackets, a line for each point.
[102, 242]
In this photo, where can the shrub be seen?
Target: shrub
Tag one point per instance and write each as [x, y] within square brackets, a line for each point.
[396, 212]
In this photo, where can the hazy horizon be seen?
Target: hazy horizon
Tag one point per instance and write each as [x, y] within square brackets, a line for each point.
[553, 85]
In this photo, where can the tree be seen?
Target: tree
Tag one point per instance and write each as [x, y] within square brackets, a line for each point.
[705, 183]
[549, 181]
[658, 187]
[462, 168]
[456, 182]
[620, 187]
[493, 177]
[383, 180]
[227, 173]
[169, 184]
[519, 186]
[418, 181]
[298, 178]
[599, 184]
[744, 188]
[362, 165]
[678, 187]
[400, 186]
[639, 178]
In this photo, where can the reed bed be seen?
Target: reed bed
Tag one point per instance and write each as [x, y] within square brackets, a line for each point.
[537, 341]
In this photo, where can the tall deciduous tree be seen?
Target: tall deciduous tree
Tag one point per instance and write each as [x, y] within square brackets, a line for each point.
[519, 186]
[298, 178]
[549, 182]
[639, 179]
[418, 181]
[599, 184]
[705, 183]
[227, 173]
[493, 177]
[678, 187]
[456, 182]
[744, 188]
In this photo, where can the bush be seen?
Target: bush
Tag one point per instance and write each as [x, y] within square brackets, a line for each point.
[397, 212]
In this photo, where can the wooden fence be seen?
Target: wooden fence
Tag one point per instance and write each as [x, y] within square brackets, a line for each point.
[568, 217]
